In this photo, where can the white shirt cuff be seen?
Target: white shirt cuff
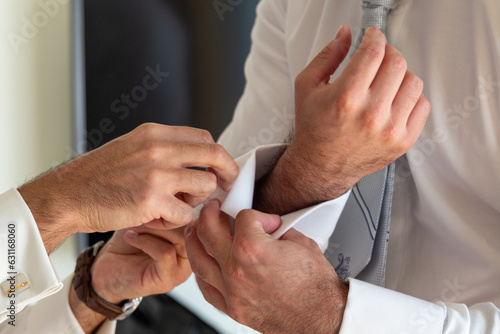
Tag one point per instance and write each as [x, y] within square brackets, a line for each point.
[316, 222]
[30, 257]
[372, 309]
[54, 315]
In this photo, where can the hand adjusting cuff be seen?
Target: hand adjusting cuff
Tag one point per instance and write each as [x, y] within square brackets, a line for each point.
[82, 283]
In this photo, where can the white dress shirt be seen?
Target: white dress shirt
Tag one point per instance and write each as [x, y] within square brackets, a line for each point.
[444, 250]
[34, 315]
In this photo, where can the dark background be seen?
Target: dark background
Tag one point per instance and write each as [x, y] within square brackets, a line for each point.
[202, 48]
[202, 45]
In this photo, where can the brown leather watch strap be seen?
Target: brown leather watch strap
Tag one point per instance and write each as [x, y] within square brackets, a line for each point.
[82, 283]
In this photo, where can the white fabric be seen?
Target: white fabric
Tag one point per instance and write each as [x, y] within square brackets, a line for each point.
[53, 313]
[31, 257]
[445, 230]
[316, 222]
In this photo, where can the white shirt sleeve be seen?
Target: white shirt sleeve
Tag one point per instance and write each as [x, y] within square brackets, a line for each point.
[372, 309]
[53, 315]
[265, 112]
[22, 252]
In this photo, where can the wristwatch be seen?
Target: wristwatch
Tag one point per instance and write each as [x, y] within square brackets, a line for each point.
[82, 283]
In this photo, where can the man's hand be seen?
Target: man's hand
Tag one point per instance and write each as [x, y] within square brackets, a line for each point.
[273, 286]
[133, 263]
[140, 262]
[368, 117]
[140, 177]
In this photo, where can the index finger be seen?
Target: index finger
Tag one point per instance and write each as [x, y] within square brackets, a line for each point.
[173, 236]
[211, 156]
[154, 131]
[365, 63]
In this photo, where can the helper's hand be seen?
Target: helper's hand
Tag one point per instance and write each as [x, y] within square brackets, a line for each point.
[273, 286]
[140, 262]
[368, 117]
[137, 178]
[133, 263]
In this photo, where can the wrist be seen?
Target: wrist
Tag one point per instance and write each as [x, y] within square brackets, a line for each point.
[297, 182]
[85, 291]
[104, 286]
[340, 302]
[316, 161]
[326, 314]
[311, 175]
[88, 319]
[50, 213]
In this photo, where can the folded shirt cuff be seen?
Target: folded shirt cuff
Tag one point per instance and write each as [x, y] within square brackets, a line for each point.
[30, 257]
[372, 309]
[54, 315]
[316, 222]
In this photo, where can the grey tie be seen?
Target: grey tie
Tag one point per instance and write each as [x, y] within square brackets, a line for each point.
[358, 246]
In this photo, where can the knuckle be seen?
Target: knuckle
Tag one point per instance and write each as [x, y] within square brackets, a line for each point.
[397, 141]
[217, 152]
[199, 270]
[146, 197]
[236, 273]
[426, 105]
[346, 103]
[416, 83]
[371, 121]
[415, 86]
[150, 151]
[373, 51]
[391, 135]
[245, 251]
[398, 62]
[154, 176]
[246, 215]
[403, 146]
[205, 136]
[300, 80]
[234, 170]
[147, 129]
[392, 132]
[310, 243]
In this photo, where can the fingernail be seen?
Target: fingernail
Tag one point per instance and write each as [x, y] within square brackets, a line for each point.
[131, 235]
[339, 32]
[371, 30]
[227, 187]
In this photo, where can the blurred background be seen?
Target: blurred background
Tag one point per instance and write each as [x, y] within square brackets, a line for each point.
[76, 74]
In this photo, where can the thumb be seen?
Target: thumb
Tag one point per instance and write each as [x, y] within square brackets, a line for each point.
[329, 59]
[255, 222]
